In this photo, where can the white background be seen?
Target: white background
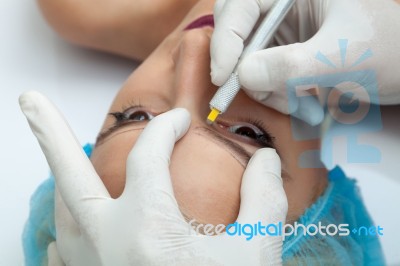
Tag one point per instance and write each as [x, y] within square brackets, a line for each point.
[82, 84]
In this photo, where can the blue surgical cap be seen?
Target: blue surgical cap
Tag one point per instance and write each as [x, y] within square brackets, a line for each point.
[341, 203]
[40, 229]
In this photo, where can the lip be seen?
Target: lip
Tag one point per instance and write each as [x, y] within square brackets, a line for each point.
[203, 21]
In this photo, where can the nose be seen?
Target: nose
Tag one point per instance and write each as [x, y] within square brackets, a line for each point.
[193, 87]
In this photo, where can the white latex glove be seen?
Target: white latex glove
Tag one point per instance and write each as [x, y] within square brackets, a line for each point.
[144, 226]
[311, 27]
[54, 258]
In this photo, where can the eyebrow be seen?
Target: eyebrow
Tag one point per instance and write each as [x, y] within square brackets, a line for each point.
[243, 154]
[104, 134]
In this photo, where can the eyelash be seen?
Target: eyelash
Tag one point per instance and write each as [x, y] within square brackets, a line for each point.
[123, 117]
[261, 139]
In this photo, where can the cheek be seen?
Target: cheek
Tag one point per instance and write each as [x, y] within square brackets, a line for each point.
[206, 181]
[304, 185]
[303, 190]
[109, 160]
[206, 178]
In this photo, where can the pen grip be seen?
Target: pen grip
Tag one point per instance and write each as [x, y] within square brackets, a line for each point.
[260, 39]
[225, 94]
[269, 25]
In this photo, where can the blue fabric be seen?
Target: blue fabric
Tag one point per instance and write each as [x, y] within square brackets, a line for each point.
[40, 229]
[341, 203]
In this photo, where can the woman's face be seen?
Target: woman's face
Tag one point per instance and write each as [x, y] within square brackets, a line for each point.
[207, 164]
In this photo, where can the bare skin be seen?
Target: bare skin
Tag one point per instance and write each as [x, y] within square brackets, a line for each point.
[206, 175]
[130, 28]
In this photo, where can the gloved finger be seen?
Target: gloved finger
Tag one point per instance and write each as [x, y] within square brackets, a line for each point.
[148, 162]
[262, 196]
[219, 4]
[264, 200]
[309, 110]
[52, 254]
[67, 229]
[233, 24]
[264, 6]
[75, 176]
[269, 70]
[278, 101]
[307, 107]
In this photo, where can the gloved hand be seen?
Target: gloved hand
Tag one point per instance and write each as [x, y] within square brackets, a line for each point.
[144, 226]
[53, 257]
[312, 27]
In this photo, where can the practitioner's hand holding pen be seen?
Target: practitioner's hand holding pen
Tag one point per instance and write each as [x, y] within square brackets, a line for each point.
[369, 31]
[144, 226]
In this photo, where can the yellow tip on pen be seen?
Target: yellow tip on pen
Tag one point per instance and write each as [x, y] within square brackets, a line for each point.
[212, 116]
